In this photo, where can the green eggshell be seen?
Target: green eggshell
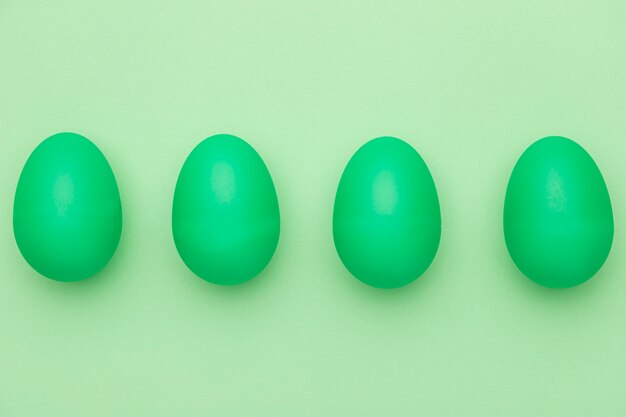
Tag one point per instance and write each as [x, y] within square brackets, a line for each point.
[225, 217]
[558, 220]
[386, 220]
[67, 214]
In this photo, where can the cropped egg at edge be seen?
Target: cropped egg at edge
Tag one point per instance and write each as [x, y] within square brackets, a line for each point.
[386, 218]
[225, 215]
[67, 214]
[558, 220]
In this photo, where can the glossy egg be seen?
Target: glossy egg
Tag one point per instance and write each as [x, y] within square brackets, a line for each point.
[386, 219]
[67, 214]
[558, 220]
[225, 217]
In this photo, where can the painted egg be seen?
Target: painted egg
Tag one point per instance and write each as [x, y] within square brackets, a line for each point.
[225, 217]
[67, 214]
[558, 220]
[386, 220]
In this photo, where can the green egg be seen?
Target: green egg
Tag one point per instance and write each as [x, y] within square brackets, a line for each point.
[558, 220]
[67, 214]
[225, 217]
[386, 220]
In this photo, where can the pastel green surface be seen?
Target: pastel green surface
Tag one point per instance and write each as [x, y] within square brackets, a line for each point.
[67, 215]
[469, 83]
[558, 220]
[386, 219]
[225, 217]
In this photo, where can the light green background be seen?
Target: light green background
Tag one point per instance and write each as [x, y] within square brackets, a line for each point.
[469, 84]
